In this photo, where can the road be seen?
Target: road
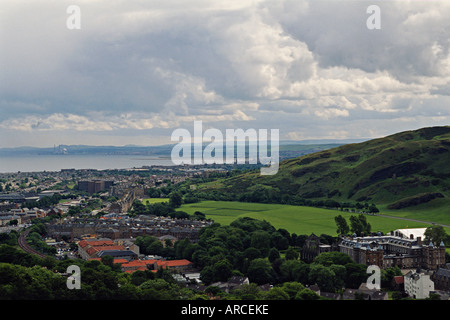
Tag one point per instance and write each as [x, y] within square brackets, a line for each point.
[409, 219]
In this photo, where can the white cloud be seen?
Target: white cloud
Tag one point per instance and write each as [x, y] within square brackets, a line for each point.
[306, 67]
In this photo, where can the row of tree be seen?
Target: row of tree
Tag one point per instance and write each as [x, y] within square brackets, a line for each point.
[262, 194]
[358, 225]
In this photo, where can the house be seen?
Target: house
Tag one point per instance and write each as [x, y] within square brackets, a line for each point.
[166, 239]
[234, 282]
[418, 285]
[90, 248]
[372, 294]
[364, 293]
[441, 279]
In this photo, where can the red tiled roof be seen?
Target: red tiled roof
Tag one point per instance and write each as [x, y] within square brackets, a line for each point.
[93, 250]
[94, 243]
[138, 263]
[119, 260]
[173, 263]
[399, 279]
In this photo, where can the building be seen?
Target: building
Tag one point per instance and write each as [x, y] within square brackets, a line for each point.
[122, 227]
[179, 266]
[313, 247]
[418, 285]
[410, 233]
[441, 279]
[124, 204]
[124, 254]
[89, 249]
[182, 265]
[391, 250]
[94, 186]
[135, 265]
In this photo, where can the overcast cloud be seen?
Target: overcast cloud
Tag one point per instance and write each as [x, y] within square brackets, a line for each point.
[137, 70]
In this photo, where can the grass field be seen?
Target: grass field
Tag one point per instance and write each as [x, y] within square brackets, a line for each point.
[154, 200]
[295, 219]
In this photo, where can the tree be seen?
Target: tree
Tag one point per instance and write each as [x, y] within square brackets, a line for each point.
[249, 291]
[107, 260]
[388, 274]
[222, 270]
[175, 199]
[333, 257]
[359, 225]
[278, 241]
[323, 276]
[341, 273]
[435, 234]
[274, 254]
[291, 288]
[291, 254]
[260, 240]
[306, 294]
[292, 270]
[342, 226]
[277, 293]
[260, 271]
[356, 274]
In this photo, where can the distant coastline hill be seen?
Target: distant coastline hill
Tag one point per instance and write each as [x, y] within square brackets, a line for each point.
[398, 171]
[288, 149]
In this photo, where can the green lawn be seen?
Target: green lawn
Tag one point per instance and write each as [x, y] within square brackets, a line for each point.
[437, 210]
[295, 219]
[154, 200]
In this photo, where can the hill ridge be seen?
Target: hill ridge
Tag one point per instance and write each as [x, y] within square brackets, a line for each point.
[382, 171]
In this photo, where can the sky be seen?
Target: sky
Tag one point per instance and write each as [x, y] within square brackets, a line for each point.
[135, 70]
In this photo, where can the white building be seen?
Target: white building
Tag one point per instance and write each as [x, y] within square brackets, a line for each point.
[411, 233]
[418, 284]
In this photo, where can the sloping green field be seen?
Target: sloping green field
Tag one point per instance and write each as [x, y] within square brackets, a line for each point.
[295, 219]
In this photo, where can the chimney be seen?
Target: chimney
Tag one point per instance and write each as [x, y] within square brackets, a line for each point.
[419, 241]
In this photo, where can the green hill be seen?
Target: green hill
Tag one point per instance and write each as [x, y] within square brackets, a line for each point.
[403, 170]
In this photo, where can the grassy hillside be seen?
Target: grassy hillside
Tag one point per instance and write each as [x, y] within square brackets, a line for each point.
[398, 172]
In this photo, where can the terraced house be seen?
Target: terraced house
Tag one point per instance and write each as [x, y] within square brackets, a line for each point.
[97, 248]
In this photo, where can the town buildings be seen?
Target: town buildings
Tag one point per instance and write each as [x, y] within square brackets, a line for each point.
[123, 227]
